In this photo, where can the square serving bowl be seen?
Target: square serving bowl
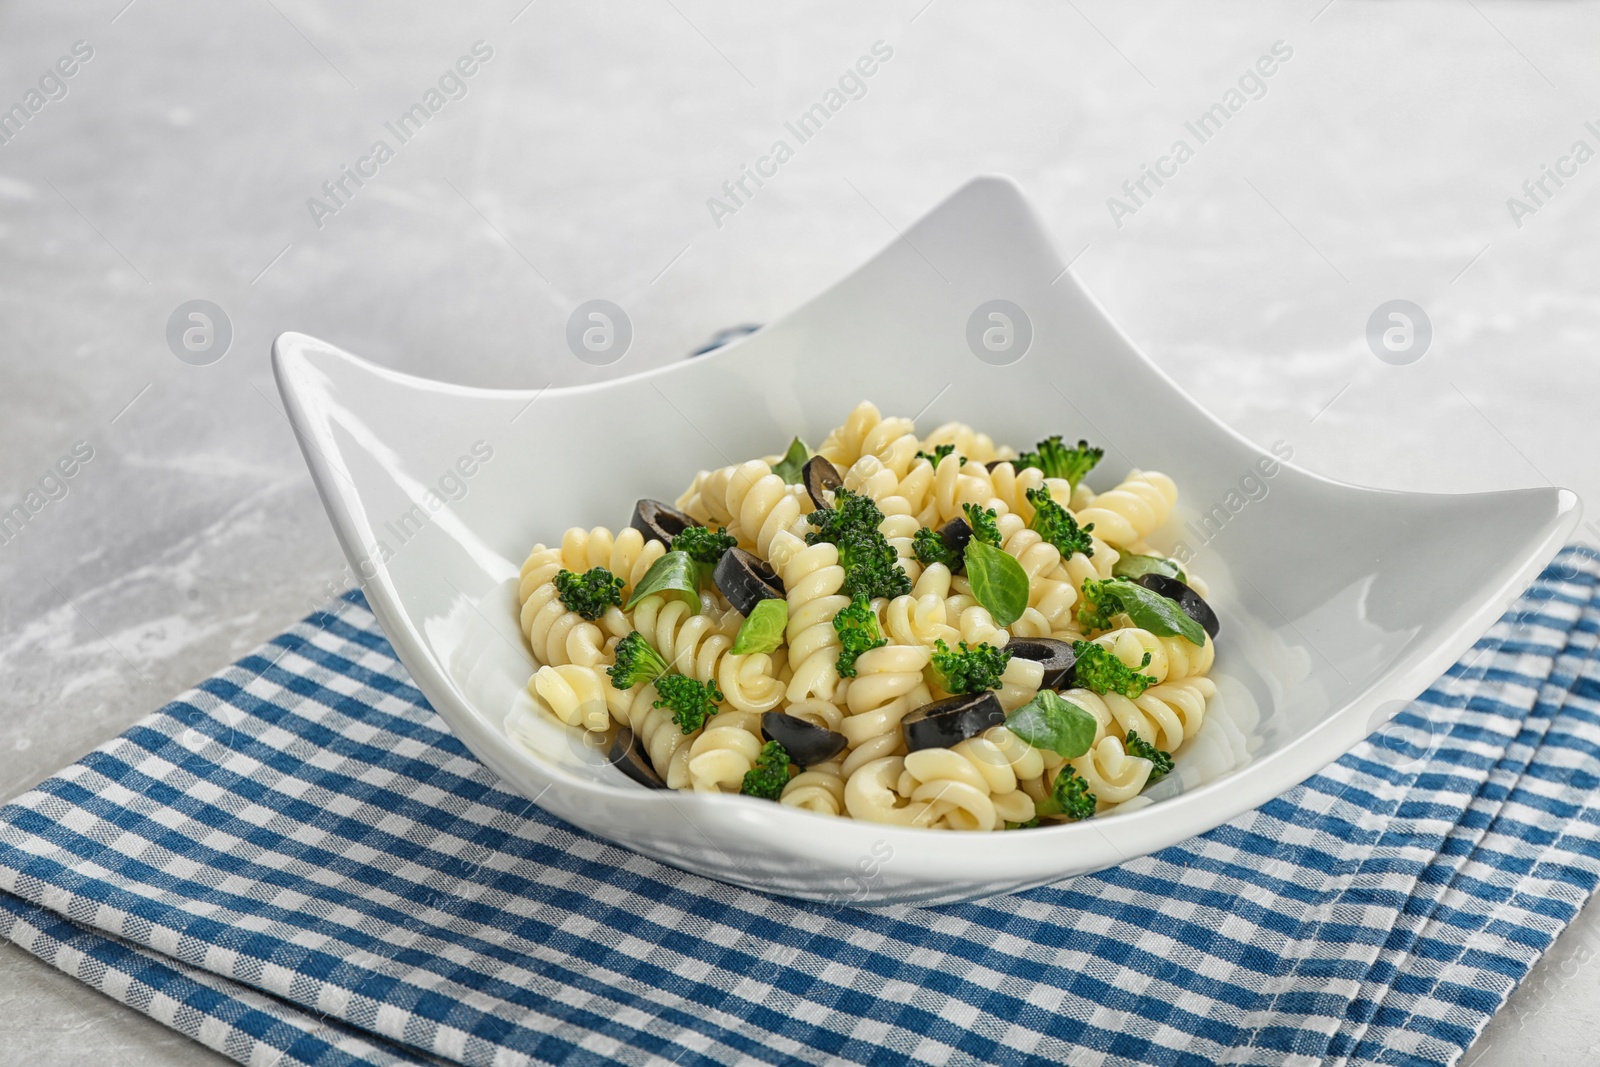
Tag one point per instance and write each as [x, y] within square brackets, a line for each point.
[1338, 603]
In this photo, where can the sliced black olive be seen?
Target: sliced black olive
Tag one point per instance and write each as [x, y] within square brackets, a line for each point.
[956, 534]
[1192, 603]
[993, 463]
[952, 720]
[1057, 658]
[746, 580]
[660, 522]
[806, 743]
[821, 477]
[628, 756]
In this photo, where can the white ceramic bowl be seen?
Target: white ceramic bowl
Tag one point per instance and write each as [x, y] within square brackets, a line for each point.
[1338, 603]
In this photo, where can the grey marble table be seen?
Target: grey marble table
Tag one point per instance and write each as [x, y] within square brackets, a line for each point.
[186, 155]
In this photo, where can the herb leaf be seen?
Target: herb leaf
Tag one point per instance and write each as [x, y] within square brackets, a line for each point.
[788, 468]
[1049, 721]
[999, 583]
[1151, 611]
[763, 630]
[1135, 566]
[674, 574]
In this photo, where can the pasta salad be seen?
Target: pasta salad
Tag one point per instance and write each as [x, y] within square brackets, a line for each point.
[930, 631]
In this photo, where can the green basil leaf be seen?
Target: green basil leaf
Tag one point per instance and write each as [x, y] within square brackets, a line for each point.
[1132, 567]
[1052, 722]
[788, 468]
[674, 574]
[763, 630]
[998, 582]
[1151, 611]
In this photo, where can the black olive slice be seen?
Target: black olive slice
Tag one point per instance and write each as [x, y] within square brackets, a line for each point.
[660, 522]
[820, 478]
[993, 463]
[956, 534]
[1193, 604]
[746, 580]
[1057, 658]
[952, 720]
[628, 756]
[806, 743]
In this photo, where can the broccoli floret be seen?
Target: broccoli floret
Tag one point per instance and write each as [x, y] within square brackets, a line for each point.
[769, 775]
[1069, 796]
[1098, 669]
[931, 548]
[692, 702]
[969, 669]
[1030, 824]
[1099, 605]
[589, 593]
[702, 545]
[1138, 746]
[1059, 461]
[938, 453]
[871, 565]
[1055, 524]
[985, 528]
[852, 513]
[857, 627]
[636, 662]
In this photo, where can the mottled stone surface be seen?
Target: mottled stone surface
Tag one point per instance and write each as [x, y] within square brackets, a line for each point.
[1377, 165]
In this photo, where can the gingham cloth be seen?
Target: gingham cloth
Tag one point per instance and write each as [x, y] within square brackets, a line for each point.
[296, 863]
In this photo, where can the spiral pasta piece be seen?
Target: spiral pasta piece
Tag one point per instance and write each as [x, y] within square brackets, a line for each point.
[574, 694]
[761, 507]
[1126, 515]
[973, 786]
[865, 432]
[1172, 659]
[556, 635]
[813, 578]
[888, 683]
[819, 788]
[870, 795]
[1113, 775]
[724, 752]
[977, 447]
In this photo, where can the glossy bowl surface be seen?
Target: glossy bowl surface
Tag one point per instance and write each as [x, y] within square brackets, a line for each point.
[1338, 603]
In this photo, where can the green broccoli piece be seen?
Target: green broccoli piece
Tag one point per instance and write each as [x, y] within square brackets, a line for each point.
[1098, 669]
[1030, 824]
[702, 545]
[857, 627]
[1069, 797]
[938, 453]
[1138, 746]
[769, 775]
[1056, 524]
[589, 593]
[636, 662]
[852, 513]
[871, 565]
[692, 702]
[1059, 461]
[983, 523]
[969, 669]
[931, 548]
[1099, 605]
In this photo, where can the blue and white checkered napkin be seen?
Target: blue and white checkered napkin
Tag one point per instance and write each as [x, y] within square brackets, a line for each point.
[297, 863]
